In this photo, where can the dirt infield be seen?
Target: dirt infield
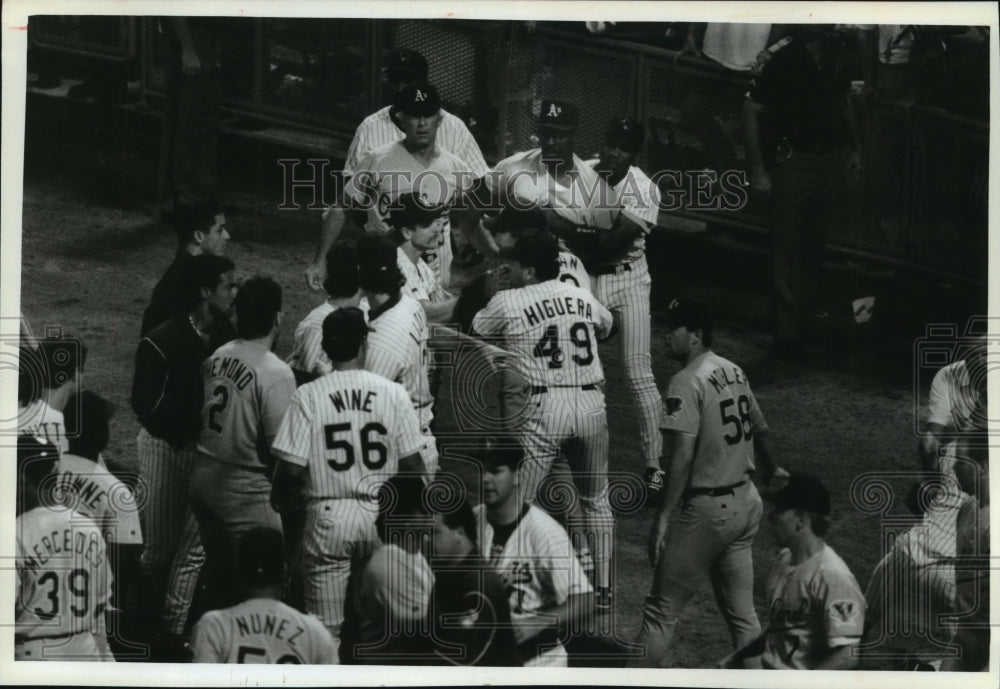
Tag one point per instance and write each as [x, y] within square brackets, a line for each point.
[92, 253]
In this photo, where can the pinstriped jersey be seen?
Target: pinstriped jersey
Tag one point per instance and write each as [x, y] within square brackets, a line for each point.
[552, 329]
[63, 575]
[583, 198]
[378, 129]
[711, 398]
[639, 198]
[397, 350]
[816, 607]
[247, 390]
[572, 271]
[348, 429]
[262, 630]
[421, 282]
[537, 564]
[387, 172]
[307, 342]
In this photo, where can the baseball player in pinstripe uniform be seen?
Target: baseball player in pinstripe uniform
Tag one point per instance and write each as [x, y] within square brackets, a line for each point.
[417, 228]
[63, 575]
[512, 220]
[343, 436]
[552, 329]
[260, 628]
[167, 395]
[709, 509]
[403, 68]
[397, 348]
[247, 391]
[308, 360]
[622, 281]
[547, 589]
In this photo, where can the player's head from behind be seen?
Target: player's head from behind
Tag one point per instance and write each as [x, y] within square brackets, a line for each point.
[201, 228]
[403, 68]
[513, 220]
[36, 460]
[211, 286]
[556, 126]
[403, 518]
[345, 335]
[534, 258]
[260, 562]
[341, 272]
[689, 329]
[623, 139]
[88, 421]
[502, 458]
[416, 110]
[455, 532]
[800, 510]
[378, 268]
[417, 223]
[258, 308]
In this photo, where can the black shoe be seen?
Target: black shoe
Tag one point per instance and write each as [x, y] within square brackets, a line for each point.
[653, 479]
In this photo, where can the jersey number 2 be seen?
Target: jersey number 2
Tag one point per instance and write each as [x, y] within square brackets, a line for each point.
[221, 392]
[374, 453]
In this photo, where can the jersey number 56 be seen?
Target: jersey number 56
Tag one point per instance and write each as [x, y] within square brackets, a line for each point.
[374, 453]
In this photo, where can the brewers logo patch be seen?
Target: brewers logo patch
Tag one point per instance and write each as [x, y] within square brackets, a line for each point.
[672, 406]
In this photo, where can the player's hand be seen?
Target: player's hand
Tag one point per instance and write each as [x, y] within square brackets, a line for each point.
[777, 480]
[315, 274]
[656, 537]
[760, 182]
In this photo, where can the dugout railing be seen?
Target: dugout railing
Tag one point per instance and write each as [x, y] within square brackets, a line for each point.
[922, 202]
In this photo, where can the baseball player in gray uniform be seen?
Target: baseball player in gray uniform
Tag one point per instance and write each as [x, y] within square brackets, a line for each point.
[344, 435]
[817, 611]
[709, 510]
[622, 281]
[247, 391]
[552, 329]
[260, 628]
[403, 68]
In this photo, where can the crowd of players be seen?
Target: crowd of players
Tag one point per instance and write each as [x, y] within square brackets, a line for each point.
[297, 511]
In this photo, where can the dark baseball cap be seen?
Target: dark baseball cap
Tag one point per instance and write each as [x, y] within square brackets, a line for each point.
[376, 252]
[343, 332]
[625, 133]
[414, 209]
[405, 65]
[801, 492]
[501, 451]
[537, 249]
[87, 420]
[688, 313]
[558, 115]
[417, 100]
[514, 219]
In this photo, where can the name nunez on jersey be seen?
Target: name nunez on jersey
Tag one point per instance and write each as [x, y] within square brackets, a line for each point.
[255, 623]
[551, 308]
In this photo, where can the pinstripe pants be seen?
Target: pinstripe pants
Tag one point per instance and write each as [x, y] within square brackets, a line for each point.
[626, 294]
[172, 545]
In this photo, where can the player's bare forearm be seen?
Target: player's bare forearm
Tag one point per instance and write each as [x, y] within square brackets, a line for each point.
[440, 312]
[677, 470]
[763, 446]
[469, 221]
[841, 659]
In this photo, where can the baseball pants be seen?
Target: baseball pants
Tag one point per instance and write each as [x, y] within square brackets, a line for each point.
[85, 646]
[573, 421]
[625, 293]
[172, 553]
[336, 532]
[227, 501]
[708, 538]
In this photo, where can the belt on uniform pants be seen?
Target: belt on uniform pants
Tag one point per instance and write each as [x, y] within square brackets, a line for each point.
[609, 268]
[544, 641]
[712, 492]
[539, 389]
